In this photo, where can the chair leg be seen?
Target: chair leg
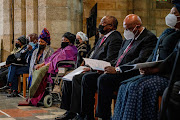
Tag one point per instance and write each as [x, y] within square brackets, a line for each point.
[19, 83]
[112, 106]
[160, 98]
[25, 76]
[95, 105]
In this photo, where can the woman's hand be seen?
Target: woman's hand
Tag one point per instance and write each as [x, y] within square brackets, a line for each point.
[48, 64]
[148, 71]
[39, 66]
[110, 70]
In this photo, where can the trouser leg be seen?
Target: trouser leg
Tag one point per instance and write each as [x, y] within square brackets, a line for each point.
[88, 89]
[76, 94]
[66, 95]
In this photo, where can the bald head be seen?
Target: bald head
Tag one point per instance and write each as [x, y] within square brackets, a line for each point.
[132, 20]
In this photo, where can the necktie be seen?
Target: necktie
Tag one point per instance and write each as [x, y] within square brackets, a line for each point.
[124, 53]
[102, 40]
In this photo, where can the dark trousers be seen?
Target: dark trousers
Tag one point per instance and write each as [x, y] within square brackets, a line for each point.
[66, 95]
[71, 94]
[14, 72]
[105, 85]
[83, 91]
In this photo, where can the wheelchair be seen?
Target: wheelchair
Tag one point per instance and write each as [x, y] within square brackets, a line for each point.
[53, 92]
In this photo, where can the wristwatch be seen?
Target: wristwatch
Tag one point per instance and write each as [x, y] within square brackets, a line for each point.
[118, 70]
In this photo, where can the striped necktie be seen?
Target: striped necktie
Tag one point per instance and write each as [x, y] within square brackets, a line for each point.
[102, 40]
[124, 53]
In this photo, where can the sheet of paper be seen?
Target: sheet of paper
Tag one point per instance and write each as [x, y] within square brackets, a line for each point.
[127, 68]
[96, 64]
[2, 64]
[77, 71]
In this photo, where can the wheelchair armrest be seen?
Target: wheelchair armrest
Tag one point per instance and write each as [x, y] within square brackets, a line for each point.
[66, 62]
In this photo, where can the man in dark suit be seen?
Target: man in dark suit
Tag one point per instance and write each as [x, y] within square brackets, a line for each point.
[106, 49]
[136, 48]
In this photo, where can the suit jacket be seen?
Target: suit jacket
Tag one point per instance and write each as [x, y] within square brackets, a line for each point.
[108, 51]
[167, 44]
[140, 50]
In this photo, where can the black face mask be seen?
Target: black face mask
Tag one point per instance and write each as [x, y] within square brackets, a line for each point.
[64, 44]
[42, 46]
[101, 29]
[17, 45]
[77, 41]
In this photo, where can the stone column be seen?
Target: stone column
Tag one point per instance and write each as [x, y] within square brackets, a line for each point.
[59, 16]
[6, 28]
[19, 18]
[31, 16]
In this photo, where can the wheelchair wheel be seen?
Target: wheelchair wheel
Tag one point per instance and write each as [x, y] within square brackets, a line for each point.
[47, 101]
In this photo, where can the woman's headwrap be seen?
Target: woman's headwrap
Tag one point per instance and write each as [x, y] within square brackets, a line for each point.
[71, 37]
[177, 4]
[45, 35]
[83, 36]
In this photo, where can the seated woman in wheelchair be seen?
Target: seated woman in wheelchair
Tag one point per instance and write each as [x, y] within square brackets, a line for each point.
[43, 72]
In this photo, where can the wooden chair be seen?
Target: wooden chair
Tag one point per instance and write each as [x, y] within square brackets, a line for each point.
[24, 76]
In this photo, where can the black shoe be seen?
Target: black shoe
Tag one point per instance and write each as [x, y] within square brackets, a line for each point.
[79, 117]
[66, 116]
[14, 94]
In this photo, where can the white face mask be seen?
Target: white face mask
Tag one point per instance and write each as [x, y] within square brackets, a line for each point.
[129, 35]
[171, 20]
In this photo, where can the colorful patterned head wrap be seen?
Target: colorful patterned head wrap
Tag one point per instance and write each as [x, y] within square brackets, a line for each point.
[45, 35]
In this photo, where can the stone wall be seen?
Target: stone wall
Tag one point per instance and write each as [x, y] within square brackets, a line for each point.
[31, 16]
[60, 16]
[152, 18]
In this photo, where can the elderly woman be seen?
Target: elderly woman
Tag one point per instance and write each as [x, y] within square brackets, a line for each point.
[82, 46]
[138, 96]
[42, 52]
[40, 77]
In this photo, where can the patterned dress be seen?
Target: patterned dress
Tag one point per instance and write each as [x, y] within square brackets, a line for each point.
[138, 96]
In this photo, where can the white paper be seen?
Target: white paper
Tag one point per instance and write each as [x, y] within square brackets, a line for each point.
[96, 64]
[77, 71]
[2, 64]
[127, 68]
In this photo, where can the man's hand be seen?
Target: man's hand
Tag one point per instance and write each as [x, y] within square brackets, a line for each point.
[100, 72]
[110, 70]
[86, 69]
[29, 47]
[148, 71]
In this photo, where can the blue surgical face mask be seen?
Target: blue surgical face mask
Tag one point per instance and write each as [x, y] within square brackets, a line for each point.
[32, 44]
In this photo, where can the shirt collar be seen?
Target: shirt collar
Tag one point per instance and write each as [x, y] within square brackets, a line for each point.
[109, 33]
[139, 33]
